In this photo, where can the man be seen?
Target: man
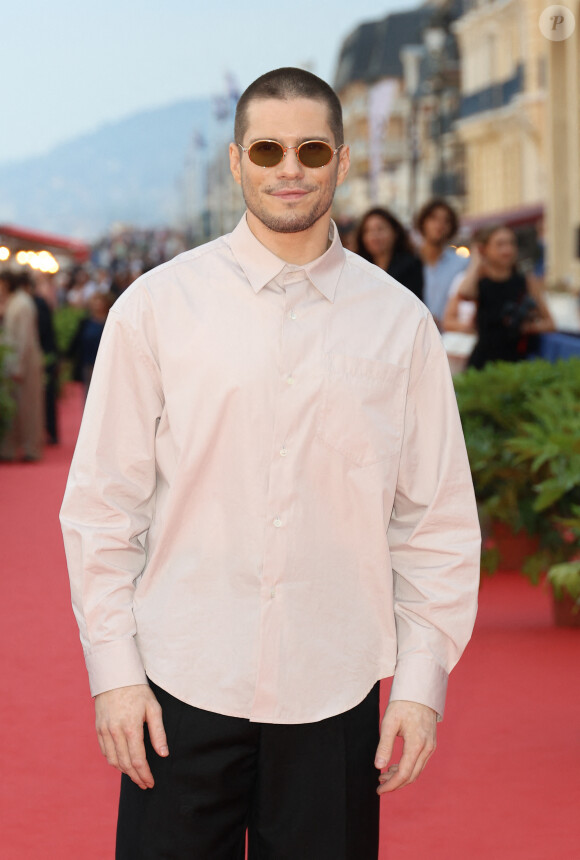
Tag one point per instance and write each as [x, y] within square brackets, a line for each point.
[269, 509]
[437, 223]
[24, 366]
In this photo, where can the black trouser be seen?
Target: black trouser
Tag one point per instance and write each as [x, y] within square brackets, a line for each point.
[50, 396]
[303, 792]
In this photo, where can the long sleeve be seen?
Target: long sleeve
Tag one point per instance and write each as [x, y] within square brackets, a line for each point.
[110, 498]
[434, 535]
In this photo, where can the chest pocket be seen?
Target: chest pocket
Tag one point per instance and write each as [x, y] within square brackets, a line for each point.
[362, 408]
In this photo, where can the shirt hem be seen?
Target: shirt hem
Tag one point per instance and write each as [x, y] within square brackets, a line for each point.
[256, 717]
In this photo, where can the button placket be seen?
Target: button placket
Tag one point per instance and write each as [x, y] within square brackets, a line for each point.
[281, 478]
[279, 537]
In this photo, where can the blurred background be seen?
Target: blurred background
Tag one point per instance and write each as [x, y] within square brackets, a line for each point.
[115, 121]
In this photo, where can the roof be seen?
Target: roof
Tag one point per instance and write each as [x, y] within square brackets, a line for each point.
[79, 250]
[372, 51]
[519, 216]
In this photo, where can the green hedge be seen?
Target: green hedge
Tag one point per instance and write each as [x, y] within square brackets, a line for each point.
[522, 430]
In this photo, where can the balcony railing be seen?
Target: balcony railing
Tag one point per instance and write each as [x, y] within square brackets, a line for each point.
[448, 185]
[493, 97]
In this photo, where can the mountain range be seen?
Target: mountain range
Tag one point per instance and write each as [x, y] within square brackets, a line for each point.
[130, 171]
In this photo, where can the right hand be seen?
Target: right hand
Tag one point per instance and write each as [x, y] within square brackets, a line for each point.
[120, 715]
[477, 261]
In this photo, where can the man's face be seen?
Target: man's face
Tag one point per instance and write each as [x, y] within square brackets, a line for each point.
[437, 226]
[288, 197]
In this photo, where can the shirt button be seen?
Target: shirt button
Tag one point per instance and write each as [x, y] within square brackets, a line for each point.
[293, 315]
[283, 451]
[273, 593]
[290, 380]
[277, 522]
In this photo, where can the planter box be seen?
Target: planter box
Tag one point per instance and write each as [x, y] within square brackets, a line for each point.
[513, 548]
[566, 611]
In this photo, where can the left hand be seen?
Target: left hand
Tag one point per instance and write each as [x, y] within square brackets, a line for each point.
[417, 725]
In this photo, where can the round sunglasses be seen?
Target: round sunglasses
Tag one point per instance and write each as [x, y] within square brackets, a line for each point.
[269, 153]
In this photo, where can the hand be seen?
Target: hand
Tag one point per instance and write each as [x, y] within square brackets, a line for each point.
[120, 715]
[477, 261]
[417, 725]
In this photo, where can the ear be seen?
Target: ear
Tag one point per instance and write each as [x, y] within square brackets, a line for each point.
[343, 164]
[235, 162]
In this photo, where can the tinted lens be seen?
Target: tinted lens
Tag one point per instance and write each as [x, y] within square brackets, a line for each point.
[266, 153]
[314, 153]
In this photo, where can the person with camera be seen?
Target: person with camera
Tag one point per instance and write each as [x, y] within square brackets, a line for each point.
[511, 309]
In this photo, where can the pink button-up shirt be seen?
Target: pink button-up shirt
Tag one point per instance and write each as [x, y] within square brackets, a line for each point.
[270, 505]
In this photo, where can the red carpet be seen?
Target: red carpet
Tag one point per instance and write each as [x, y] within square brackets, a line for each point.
[503, 785]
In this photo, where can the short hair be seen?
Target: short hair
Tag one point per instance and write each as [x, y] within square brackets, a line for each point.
[16, 280]
[402, 242]
[7, 276]
[23, 279]
[290, 83]
[427, 210]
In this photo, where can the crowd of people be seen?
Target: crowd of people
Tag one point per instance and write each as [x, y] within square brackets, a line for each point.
[485, 307]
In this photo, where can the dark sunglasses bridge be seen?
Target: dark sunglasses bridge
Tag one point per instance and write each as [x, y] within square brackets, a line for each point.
[310, 153]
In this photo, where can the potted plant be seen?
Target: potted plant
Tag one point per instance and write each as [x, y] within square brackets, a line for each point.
[522, 429]
[549, 445]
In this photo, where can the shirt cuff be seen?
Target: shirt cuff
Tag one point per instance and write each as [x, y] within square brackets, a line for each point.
[419, 679]
[116, 664]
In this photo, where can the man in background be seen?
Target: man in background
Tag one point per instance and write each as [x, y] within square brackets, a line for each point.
[437, 223]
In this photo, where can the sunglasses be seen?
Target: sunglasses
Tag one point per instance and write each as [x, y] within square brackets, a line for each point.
[269, 153]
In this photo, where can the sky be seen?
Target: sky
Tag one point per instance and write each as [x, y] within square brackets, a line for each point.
[69, 67]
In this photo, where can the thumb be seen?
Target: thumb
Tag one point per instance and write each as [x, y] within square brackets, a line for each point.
[385, 747]
[157, 735]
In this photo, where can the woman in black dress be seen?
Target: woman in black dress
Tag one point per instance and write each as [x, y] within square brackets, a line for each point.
[511, 309]
[382, 240]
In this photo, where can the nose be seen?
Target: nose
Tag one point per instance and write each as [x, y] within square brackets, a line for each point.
[290, 164]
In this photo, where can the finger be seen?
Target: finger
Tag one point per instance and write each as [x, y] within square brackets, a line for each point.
[424, 757]
[387, 774]
[108, 749]
[153, 716]
[125, 760]
[141, 772]
[101, 744]
[402, 776]
[386, 743]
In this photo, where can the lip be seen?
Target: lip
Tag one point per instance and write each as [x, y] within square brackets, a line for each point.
[290, 194]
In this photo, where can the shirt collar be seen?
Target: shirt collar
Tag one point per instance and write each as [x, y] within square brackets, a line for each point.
[261, 266]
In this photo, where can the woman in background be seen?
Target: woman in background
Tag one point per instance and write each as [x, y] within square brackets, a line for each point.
[511, 308]
[382, 240]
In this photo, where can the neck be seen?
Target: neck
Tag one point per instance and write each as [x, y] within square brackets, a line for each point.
[296, 248]
[430, 252]
[498, 272]
[383, 260]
